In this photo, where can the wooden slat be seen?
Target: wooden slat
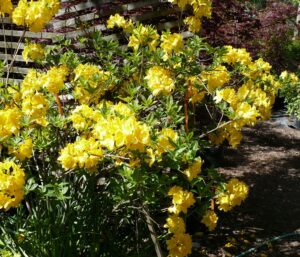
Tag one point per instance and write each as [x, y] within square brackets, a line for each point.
[84, 12]
[96, 15]
[11, 45]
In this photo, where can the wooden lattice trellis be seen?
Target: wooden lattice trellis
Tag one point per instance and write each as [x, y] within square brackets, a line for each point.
[76, 14]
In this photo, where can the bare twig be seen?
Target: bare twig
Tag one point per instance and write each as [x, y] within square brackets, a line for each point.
[152, 231]
[216, 128]
[14, 57]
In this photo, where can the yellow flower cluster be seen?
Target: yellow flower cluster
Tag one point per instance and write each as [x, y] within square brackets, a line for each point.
[23, 150]
[143, 35]
[215, 78]
[10, 122]
[194, 23]
[34, 102]
[115, 132]
[6, 7]
[164, 139]
[236, 192]
[171, 43]
[84, 153]
[210, 220]
[140, 35]
[31, 84]
[35, 14]
[181, 200]
[159, 80]
[180, 245]
[54, 79]
[12, 181]
[248, 102]
[194, 170]
[120, 22]
[175, 224]
[35, 108]
[201, 8]
[109, 126]
[83, 117]
[90, 83]
[236, 55]
[33, 52]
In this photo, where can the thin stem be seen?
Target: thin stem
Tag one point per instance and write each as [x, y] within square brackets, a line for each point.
[59, 106]
[14, 56]
[216, 128]
[152, 231]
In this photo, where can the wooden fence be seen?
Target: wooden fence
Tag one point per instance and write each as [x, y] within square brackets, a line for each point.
[76, 14]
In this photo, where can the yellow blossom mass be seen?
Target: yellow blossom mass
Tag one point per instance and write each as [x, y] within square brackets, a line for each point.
[23, 150]
[210, 219]
[194, 23]
[119, 21]
[193, 171]
[175, 224]
[159, 80]
[84, 153]
[35, 14]
[12, 181]
[54, 79]
[236, 192]
[171, 43]
[143, 35]
[181, 200]
[33, 52]
[6, 7]
[180, 245]
[216, 78]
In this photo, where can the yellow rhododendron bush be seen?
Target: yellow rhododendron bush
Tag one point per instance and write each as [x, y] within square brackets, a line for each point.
[103, 152]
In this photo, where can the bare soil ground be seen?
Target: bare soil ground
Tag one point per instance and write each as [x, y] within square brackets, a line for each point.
[268, 160]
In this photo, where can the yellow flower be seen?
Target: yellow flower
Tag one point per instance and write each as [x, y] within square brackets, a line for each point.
[159, 81]
[54, 79]
[33, 52]
[34, 14]
[175, 224]
[119, 21]
[23, 151]
[143, 36]
[36, 107]
[84, 153]
[10, 122]
[194, 23]
[216, 78]
[182, 200]
[202, 8]
[163, 141]
[84, 117]
[194, 170]
[12, 181]
[236, 55]
[180, 245]
[6, 7]
[171, 43]
[31, 84]
[246, 111]
[236, 192]
[210, 219]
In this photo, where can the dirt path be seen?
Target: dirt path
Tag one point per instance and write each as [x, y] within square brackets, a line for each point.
[268, 160]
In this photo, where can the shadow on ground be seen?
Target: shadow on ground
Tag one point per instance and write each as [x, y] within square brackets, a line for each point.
[268, 160]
